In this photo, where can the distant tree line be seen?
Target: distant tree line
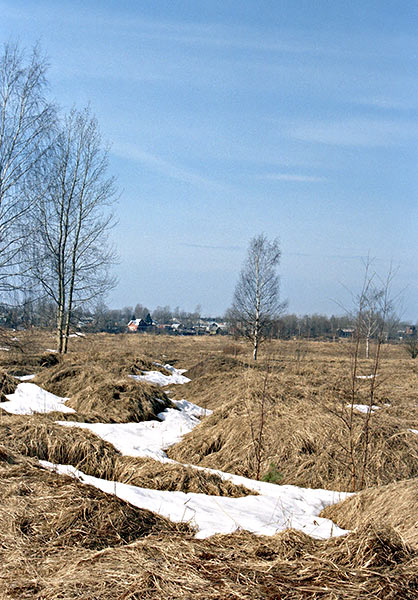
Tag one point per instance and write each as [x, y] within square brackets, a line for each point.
[42, 313]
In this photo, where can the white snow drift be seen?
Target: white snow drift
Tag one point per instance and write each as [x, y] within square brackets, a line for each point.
[365, 408]
[29, 398]
[148, 438]
[289, 507]
[158, 378]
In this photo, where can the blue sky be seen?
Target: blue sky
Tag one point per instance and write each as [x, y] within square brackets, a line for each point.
[227, 119]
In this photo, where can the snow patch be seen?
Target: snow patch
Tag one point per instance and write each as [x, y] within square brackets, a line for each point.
[364, 408]
[290, 507]
[29, 398]
[25, 377]
[158, 378]
[192, 409]
[148, 438]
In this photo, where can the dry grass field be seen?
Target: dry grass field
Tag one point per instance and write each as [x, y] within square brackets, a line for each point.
[286, 419]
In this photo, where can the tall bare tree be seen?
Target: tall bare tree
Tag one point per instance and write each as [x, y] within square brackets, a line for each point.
[72, 221]
[26, 122]
[256, 298]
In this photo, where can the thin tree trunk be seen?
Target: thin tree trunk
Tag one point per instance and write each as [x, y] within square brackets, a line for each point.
[60, 328]
[66, 333]
[257, 311]
[255, 350]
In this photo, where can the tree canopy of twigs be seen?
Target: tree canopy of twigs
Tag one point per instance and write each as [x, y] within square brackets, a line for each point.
[256, 298]
[55, 196]
[27, 119]
[72, 222]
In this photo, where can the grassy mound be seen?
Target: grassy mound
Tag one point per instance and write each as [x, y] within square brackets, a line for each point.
[100, 395]
[297, 432]
[25, 363]
[174, 477]
[394, 505]
[372, 564]
[40, 437]
[40, 508]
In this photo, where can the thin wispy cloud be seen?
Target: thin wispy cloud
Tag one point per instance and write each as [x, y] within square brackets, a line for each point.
[211, 247]
[212, 34]
[291, 177]
[168, 169]
[382, 103]
[355, 257]
[354, 132]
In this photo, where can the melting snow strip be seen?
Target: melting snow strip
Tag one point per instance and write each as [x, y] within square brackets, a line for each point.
[148, 438]
[364, 408]
[290, 507]
[25, 377]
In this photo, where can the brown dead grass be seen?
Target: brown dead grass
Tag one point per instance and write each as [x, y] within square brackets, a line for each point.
[17, 362]
[39, 437]
[8, 385]
[97, 555]
[145, 472]
[303, 435]
[41, 508]
[370, 564]
[99, 394]
[213, 365]
[61, 539]
[394, 505]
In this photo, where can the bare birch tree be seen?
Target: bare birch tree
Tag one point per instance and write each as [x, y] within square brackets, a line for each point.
[256, 298]
[375, 312]
[373, 315]
[26, 121]
[71, 255]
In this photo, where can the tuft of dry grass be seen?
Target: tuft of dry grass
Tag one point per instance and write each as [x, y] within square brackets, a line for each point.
[394, 505]
[8, 385]
[39, 437]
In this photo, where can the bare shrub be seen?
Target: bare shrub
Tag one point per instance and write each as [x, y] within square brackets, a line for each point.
[411, 346]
